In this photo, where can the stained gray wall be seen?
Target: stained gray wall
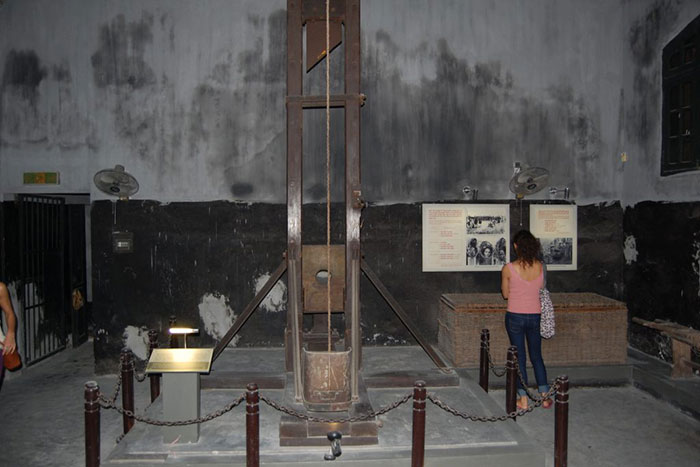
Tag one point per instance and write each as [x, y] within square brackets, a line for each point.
[190, 97]
[650, 26]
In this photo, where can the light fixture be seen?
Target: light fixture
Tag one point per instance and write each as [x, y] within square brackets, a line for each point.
[471, 192]
[184, 332]
[554, 191]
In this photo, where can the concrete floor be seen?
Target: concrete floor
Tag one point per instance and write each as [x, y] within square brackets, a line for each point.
[41, 411]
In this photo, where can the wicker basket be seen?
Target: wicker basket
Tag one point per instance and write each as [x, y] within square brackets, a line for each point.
[590, 329]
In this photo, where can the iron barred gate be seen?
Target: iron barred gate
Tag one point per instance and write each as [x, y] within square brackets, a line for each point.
[42, 272]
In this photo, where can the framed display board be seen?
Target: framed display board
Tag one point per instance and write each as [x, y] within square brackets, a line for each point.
[555, 226]
[465, 237]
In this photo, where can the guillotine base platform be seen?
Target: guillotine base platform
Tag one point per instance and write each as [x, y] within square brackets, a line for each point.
[449, 440]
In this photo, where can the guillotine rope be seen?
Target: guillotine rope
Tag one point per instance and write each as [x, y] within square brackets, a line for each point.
[328, 171]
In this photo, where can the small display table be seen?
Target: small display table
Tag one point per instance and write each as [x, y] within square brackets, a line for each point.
[181, 369]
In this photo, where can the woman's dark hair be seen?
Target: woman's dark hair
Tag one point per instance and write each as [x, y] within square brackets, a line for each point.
[528, 247]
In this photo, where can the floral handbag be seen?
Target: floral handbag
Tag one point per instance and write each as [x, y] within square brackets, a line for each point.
[547, 309]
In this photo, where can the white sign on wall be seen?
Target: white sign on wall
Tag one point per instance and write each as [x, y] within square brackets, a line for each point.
[555, 226]
[465, 237]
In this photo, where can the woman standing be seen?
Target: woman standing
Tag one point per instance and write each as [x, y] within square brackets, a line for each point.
[521, 281]
[7, 342]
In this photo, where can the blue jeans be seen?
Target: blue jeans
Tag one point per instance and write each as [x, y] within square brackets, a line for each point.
[521, 327]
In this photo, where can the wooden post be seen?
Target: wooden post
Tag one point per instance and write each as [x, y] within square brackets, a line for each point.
[484, 361]
[127, 368]
[92, 424]
[418, 449]
[511, 379]
[682, 352]
[561, 422]
[154, 379]
[252, 426]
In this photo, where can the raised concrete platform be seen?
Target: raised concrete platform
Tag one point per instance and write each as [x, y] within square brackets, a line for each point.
[450, 441]
[654, 376]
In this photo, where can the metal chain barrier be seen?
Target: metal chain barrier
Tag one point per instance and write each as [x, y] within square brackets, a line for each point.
[367, 416]
[482, 418]
[492, 367]
[535, 396]
[132, 366]
[500, 373]
[106, 404]
[117, 387]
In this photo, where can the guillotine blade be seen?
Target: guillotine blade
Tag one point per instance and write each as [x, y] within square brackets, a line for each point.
[316, 40]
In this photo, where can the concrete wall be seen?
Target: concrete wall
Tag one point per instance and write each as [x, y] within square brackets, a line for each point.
[651, 25]
[189, 97]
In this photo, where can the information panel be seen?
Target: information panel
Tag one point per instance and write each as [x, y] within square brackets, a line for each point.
[465, 237]
[555, 226]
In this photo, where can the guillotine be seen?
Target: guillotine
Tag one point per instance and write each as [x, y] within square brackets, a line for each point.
[312, 15]
[342, 264]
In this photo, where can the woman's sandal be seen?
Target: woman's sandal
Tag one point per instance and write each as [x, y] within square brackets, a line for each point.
[547, 403]
[519, 406]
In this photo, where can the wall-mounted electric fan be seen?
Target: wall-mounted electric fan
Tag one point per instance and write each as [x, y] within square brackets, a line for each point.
[528, 181]
[116, 182]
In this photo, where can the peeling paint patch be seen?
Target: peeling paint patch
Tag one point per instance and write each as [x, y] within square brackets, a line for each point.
[276, 299]
[136, 339]
[216, 316]
[630, 249]
[696, 262]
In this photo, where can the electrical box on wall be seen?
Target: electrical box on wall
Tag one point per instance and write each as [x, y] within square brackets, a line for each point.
[122, 242]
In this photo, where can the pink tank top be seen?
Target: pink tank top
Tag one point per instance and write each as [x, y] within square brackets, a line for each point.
[523, 296]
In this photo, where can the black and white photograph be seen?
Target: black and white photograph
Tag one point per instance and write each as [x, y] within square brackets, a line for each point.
[484, 252]
[486, 225]
[465, 237]
[555, 227]
[557, 251]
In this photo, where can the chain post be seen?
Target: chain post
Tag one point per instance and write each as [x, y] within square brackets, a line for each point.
[154, 379]
[126, 360]
[418, 447]
[561, 422]
[252, 426]
[92, 424]
[511, 381]
[484, 361]
[173, 338]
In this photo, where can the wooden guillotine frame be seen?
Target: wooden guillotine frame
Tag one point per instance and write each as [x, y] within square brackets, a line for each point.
[344, 25]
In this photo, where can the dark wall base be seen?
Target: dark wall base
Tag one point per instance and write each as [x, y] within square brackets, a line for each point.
[183, 251]
[662, 271]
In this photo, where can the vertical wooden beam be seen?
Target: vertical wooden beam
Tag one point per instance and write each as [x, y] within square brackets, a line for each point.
[561, 422]
[92, 424]
[353, 189]
[512, 379]
[682, 353]
[126, 360]
[294, 188]
[484, 361]
[153, 378]
[252, 426]
[418, 438]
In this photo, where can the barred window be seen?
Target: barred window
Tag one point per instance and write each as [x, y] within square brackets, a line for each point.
[681, 102]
